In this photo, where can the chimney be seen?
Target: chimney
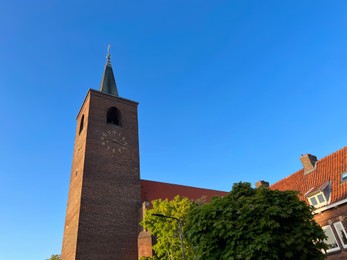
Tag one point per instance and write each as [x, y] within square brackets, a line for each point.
[262, 183]
[308, 162]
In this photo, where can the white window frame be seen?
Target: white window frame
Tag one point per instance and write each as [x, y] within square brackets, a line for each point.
[315, 196]
[334, 237]
[338, 233]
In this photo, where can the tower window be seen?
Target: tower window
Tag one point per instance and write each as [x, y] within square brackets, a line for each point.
[81, 124]
[114, 116]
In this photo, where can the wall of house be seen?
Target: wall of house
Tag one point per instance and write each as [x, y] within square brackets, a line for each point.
[329, 217]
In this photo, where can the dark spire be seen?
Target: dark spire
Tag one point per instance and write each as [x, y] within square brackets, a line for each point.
[108, 83]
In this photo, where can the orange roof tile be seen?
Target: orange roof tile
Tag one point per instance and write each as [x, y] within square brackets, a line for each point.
[328, 168]
[151, 190]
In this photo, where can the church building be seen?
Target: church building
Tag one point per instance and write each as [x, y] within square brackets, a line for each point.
[107, 196]
[106, 193]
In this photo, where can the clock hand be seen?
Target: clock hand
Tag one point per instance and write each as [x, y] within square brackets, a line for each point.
[113, 140]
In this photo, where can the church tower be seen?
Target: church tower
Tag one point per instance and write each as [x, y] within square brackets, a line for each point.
[102, 216]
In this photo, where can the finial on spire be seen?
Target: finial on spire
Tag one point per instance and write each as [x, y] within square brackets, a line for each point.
[108, 56]
[108, 82]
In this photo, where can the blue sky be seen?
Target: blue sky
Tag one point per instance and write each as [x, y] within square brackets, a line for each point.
[229, 91]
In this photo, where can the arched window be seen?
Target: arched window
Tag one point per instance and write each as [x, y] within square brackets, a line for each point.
[81, 124]
[114, 116]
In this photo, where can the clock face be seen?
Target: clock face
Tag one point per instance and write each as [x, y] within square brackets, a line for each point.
[114, 142]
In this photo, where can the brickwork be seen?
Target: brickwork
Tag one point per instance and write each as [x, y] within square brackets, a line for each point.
[329, 217]
[145, 244]
[321, 175]
[152, 190]
[104, 198]
[74, 197]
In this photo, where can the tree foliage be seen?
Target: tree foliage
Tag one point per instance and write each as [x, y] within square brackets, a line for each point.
[54, 257]
[168, 244]
[255, 224]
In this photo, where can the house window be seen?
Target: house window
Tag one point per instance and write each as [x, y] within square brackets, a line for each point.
[344, 177]
[317, 200]
[331, 239]
[341, 232]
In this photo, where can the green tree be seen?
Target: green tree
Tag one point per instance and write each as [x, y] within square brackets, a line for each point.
[54, 257]
[166, 230]
[255, 224]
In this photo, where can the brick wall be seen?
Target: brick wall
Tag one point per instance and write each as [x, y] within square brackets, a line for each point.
[74, 197]
[329, 217]
[145, 244]
[106, 189]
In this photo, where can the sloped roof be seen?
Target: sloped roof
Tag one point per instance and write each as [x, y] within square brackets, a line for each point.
[328, 168]
[152, 190]
[108, 83]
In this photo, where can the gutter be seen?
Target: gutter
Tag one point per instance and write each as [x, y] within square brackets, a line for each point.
[338, 203]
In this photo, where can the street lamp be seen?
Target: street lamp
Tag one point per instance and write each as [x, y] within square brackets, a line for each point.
[180, 231]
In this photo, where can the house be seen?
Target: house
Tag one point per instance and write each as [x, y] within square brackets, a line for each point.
[323, 184]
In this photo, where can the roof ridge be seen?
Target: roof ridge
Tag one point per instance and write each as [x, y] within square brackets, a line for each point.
[183, 185]
[318, 161]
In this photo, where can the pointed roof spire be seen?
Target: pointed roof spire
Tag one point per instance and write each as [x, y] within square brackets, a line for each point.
[108, 83]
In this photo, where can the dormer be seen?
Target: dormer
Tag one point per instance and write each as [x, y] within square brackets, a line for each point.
[319, 197]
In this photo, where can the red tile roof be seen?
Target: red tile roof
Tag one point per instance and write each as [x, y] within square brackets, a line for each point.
[328, 168]
[151, 190]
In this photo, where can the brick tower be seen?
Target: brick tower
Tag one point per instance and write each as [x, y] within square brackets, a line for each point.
[102, 216]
